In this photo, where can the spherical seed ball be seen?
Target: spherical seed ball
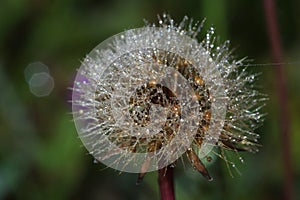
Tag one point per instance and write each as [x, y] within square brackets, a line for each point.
[145, 96]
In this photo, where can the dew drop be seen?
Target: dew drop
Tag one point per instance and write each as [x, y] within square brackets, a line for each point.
[172, 165]
[241, 159]
[209, 158]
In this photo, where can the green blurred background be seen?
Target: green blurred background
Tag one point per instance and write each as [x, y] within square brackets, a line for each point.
[41, 156]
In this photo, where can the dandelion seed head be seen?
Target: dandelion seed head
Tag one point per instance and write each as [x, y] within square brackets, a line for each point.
[147, 95]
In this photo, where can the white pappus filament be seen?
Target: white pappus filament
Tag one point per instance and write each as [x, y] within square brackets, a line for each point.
[146, 96]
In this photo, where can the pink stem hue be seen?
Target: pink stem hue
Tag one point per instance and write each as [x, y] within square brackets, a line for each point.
[166, 183]
[274, 37]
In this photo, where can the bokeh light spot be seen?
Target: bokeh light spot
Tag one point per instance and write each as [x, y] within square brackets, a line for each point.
[33, 68]
[41, 84]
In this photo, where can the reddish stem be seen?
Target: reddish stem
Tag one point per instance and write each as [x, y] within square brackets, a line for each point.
[166, 183]
[274, 37]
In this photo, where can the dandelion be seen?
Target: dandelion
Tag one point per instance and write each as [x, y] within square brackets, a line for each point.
[145, 97]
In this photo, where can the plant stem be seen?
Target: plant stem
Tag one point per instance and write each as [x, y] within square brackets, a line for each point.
[166, 183]
[274, 37]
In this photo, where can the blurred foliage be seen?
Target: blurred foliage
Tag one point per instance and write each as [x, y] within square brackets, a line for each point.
[41, 156]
